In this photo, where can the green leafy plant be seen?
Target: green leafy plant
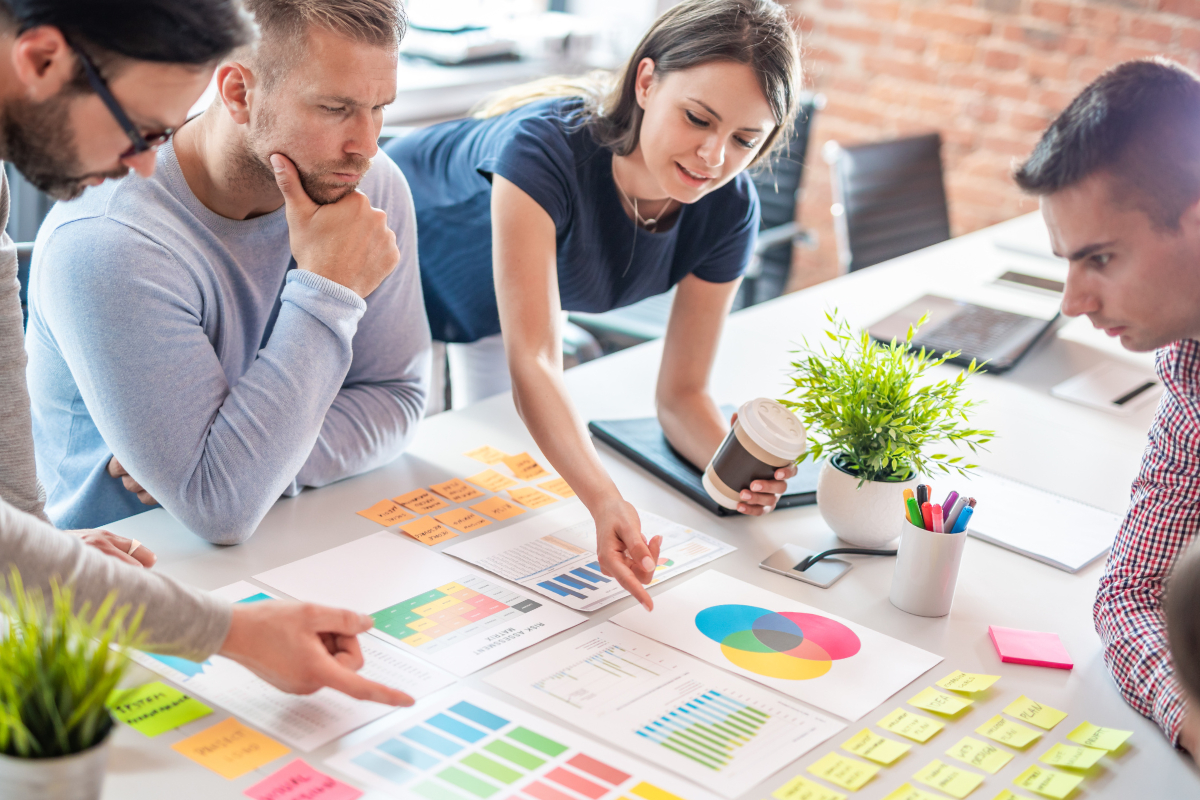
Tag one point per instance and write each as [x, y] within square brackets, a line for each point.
[872, 411]
[58, 666]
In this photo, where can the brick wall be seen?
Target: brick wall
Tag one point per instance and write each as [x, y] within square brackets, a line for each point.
[988, 74]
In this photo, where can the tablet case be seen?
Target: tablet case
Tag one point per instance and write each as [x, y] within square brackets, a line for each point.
[642, 441]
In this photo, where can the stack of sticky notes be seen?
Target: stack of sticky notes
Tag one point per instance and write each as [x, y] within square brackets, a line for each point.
[1035, 648]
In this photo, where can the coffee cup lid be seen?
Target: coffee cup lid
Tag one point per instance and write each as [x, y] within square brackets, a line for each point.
[776, 429]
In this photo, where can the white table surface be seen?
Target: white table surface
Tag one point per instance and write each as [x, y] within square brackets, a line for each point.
[1086, 454]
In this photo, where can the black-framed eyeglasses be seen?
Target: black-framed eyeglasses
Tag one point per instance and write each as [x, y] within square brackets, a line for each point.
[140, 143]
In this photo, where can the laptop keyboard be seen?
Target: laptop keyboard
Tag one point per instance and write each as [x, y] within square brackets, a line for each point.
[975, 330]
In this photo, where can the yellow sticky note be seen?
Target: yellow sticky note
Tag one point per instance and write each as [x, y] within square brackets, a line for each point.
[420, 501]
[1048, 782]
[879, 749]
[428, 531]
[1090, 735]
[524, 466]
[909, 792]
[457, 491]
[848, 773]
[462, 519]
[1005, 794]
[491, 480]
[531, 497]
[1064, 755]
[987, 757]
[230, 749]
[488, 455]
[951, 780]
[496, 508]
[1005, 731]
[967, 682]
[386, 512]
[910, 725]
[1030, 711]
[801, 788]
[559, 487]
[931, 699]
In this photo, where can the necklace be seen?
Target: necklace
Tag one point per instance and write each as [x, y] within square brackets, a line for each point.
[650, 224]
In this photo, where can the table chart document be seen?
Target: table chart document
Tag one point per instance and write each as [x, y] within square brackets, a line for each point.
[472, 746]
[698, 721]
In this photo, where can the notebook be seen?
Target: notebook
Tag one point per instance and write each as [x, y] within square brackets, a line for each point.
[1046, 527]
[642, 441]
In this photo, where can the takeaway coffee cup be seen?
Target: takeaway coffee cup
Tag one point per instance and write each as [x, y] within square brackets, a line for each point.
[765, 437]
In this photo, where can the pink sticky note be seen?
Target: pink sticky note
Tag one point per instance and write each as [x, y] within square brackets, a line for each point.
[1036, 648]
[299, 781]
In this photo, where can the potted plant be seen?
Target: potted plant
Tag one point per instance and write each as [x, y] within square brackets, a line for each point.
[873, 410]
[58, 667]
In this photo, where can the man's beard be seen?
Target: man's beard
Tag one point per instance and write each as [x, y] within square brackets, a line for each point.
[38, 141]
[254, 164]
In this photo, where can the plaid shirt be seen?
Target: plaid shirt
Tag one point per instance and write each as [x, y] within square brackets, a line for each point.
[1163, 519]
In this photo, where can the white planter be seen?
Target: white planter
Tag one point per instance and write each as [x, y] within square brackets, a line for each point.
[863, 517]
[74, 777]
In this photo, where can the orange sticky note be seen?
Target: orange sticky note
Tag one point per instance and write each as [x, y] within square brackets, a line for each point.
[524, 467]
[486, 454]
[491, 480]
[420, 501]
[456, 490]
[428, 531]
[531, 497]
[386, 512]
[559, 487]
[462, 519]
[497, 509]
[230, 749]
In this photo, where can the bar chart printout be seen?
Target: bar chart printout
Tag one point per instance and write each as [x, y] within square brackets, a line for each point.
[713, 728]
[472, 747]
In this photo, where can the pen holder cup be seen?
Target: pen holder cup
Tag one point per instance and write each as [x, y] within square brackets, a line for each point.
[926, 570]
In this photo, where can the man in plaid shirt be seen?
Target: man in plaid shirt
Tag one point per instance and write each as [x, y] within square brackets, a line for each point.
[1118, 174]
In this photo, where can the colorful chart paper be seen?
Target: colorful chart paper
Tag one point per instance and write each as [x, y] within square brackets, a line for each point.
[524, 466]
[473, 746]
[496, 508]
[1036, 648]
[491, 480]
[931, 699]
[1063, 755]
[559, 486]
[801, 788]
[1048, 782]
[848, 773]
[462, 519]
[804, 652]
[299, 781]
[1033, 712]
[986, 757]
[1090, 735]
[487, 454]
[420, 501]
[386, 512]
[1005, 731]
[427, 530]
[155, 708]
[457, 490]
[911, 725]
[230, 749]
[909, 792]
[531, 497]
[967, 682]
[949, 779]
[874, 747]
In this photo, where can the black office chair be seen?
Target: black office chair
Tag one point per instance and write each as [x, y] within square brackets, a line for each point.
[888, 198]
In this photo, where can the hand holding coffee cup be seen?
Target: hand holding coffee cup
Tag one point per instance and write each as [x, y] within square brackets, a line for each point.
[750, 469]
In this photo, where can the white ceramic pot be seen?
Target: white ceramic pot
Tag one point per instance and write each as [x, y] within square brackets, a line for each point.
[863, 516]
[75, 777]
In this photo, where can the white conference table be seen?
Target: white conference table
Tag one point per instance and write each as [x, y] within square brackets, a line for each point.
[1086, 454]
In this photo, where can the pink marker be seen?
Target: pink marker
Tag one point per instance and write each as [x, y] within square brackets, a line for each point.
[937, 519]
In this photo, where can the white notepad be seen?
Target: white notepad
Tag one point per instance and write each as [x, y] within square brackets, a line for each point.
[1046, 527]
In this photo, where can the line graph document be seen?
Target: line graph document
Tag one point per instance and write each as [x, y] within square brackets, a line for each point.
[554, 554]
[302, 721]
[711, 727]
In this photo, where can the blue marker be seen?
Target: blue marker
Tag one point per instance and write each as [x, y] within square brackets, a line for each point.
[963, 519]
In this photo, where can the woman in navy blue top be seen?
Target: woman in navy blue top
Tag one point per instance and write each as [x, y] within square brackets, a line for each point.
[573, 196]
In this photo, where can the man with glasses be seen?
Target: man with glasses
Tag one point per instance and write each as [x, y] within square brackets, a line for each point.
[88, 88]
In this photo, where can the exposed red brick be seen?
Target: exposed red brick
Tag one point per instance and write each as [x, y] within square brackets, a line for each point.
[1189, 39]
[1126, 52]
[1140, 28]
[1055, 12]
[905, 42]
[853, 112]
[1015, 91]
[957, 22]
[1054, 101]
[908, 70]
[1075, 45]
[955, 52]
[982, 111]
[854, 33]
[1001, 60]
[884, 11]
[1047, 66]
[1100, 20]
[1188, 8]
[1028, 122]
[833, 4]
[1013, 147]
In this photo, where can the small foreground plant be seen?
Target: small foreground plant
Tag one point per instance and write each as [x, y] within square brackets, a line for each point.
[58, 667]
[862, 400]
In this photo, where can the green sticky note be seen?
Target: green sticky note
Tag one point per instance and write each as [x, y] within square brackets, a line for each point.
[155, 708]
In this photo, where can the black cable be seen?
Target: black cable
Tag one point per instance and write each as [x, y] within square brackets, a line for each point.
[858, 551]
